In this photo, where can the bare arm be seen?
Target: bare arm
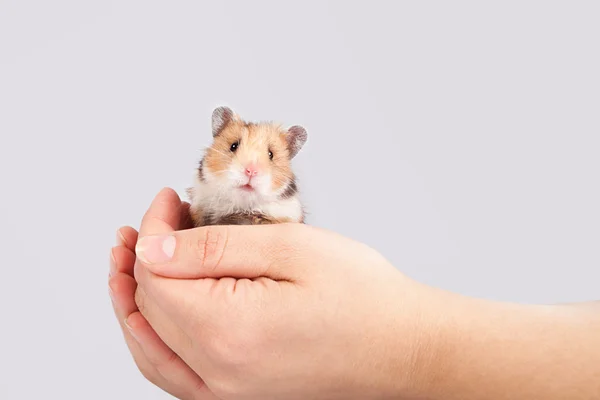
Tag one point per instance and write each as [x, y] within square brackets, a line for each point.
[492, 350]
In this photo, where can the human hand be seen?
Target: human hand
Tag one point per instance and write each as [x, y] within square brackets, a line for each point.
[250, 325]
[155, 360]
[282, 311]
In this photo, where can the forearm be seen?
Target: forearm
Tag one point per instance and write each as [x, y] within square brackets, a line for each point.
[490, 350]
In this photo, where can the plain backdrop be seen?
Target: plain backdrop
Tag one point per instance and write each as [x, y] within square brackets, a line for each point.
[460, 139]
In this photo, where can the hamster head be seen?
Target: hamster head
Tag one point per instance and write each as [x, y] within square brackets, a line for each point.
[248, 162]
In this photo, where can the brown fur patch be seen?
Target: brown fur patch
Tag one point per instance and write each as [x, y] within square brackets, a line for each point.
[201, 170]
[197, 217]
[290, 190]
[247, 219]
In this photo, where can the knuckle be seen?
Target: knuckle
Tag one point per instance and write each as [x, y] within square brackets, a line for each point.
[285, 244]
[170, 360]
[211, 245]
[164, 365]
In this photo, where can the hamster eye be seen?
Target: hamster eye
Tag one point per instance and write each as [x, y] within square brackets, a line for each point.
[234, 146]
[270, 155]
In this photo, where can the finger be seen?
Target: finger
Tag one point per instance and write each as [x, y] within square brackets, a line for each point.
[126, 241]
[122, 260]
[228, 251]
[127, 236]
[165, 361]
[162, 322]
[163, 215]
[122, 308]
[166, 368]
[121, 288]
[153, 357]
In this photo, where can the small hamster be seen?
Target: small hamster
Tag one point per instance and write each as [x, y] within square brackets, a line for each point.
[245, 177]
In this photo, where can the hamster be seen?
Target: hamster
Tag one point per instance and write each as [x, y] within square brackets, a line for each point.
[245, 177]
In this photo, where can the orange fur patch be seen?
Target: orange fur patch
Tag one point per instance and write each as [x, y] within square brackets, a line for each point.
[255, 142]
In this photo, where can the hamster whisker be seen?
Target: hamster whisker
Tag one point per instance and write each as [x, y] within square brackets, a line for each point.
[219, 171]
[217, 151]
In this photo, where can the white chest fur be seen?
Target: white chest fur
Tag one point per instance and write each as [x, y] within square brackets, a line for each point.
[218, 201]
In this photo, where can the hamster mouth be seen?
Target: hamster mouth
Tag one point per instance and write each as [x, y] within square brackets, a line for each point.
[247, 187]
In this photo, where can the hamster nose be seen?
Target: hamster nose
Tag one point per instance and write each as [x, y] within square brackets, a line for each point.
[251, 170]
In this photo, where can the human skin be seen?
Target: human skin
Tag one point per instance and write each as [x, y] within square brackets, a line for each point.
[155, 360]
[291, 311]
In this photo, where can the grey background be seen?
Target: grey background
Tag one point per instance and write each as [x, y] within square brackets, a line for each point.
[461, 140]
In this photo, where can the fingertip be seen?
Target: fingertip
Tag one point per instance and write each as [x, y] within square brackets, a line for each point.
[122, 260]
[120, 238]
[168, 194]
[185, 206]
[127, 236]
[163, 215]
[155, 249]
[135, 321]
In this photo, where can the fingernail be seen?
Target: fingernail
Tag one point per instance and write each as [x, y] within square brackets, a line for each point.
[130, 329]
[110, 293]
[155, 249]
[112, 264]
[120, 238]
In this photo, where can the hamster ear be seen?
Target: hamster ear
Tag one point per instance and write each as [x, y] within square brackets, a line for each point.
[221, 116]
[296, 137]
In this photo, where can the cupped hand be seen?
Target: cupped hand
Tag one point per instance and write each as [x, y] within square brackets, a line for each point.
[155, 360]
[285, 311]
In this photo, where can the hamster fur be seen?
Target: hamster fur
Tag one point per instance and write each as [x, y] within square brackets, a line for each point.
[245, 177]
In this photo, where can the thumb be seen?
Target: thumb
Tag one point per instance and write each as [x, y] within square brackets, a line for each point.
[163, 216]
[237, 251]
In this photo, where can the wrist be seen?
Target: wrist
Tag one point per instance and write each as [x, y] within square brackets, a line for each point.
[420, 343]
[438, 340]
